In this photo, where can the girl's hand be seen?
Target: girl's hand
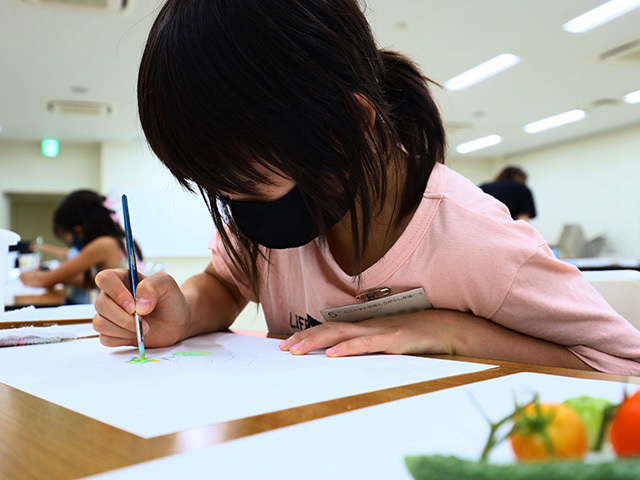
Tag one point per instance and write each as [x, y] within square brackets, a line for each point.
[414, 333]
[160, 303]
[432, 331]
[31, 279]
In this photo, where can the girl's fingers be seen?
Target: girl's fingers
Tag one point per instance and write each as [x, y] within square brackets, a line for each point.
[382, 335]
[111, 282]
[106, 327]
[359, 346]
[109, 311]
[108, 341]
[321, 336]
[150, 290]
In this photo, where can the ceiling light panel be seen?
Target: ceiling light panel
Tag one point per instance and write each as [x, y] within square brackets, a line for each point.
[633, 97]
[555, 121]
[599, 15]
[479, 144]
[482, 71]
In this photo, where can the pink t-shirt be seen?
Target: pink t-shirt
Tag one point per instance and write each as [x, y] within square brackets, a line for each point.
[467, 253]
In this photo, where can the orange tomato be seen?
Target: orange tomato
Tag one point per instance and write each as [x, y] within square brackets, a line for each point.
[625, 427]
[567, 437]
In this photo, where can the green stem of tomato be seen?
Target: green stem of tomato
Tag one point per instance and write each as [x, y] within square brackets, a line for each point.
[607, 415]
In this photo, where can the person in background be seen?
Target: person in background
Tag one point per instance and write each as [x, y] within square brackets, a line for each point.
[510, 188]
[321, 159]
[84, 221]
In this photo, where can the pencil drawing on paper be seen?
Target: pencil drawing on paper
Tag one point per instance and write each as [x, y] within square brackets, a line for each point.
[197, 355]
[196, 359]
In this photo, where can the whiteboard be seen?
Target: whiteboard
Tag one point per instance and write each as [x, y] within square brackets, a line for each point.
[166, 222]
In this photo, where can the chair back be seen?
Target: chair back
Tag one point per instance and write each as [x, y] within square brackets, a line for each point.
[621, 289]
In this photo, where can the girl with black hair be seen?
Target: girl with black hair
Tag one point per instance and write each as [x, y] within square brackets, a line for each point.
[84, 221]
[321, 159]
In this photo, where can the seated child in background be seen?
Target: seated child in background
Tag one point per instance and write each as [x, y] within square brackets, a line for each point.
[321, 159]
[84, 222]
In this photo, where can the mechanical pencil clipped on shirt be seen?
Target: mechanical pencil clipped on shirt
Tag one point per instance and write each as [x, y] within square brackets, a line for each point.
[133, 271]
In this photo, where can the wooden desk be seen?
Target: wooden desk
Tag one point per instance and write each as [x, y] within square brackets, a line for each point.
[51, 298]
[44, 440]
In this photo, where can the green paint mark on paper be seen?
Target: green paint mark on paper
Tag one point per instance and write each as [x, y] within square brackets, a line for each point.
[191, 354]
[141, 360]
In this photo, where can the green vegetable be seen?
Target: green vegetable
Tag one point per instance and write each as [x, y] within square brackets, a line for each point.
[440, 467]
[591, 411]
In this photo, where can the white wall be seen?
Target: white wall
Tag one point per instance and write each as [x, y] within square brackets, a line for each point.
[593, 182]
[23, 169]
[476, 170]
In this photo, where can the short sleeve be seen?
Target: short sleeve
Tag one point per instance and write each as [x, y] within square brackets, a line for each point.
[551, 300]
[223, 264]
[528, 205]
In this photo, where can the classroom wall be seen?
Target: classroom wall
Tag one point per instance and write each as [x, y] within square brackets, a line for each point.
[30, 217]
[477, 170]
[592, 181]
[23, 169]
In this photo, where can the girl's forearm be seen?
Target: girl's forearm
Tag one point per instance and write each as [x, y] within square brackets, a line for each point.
[212, 307]
[53, 250]
[473, 336]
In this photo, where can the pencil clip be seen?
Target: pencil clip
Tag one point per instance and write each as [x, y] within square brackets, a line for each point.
[373, 295]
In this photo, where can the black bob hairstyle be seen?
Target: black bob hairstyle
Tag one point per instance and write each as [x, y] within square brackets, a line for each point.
[228, 86]
[87, 209]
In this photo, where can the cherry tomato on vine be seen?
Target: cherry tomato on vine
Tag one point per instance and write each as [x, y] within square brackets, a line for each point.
[545, 431]
[625, 427]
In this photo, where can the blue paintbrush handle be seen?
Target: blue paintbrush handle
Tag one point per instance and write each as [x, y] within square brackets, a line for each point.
[133, 269]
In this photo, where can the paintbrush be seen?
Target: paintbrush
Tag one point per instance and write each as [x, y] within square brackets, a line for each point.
[133, 271]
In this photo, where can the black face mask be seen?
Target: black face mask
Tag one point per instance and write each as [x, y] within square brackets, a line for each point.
[283, 223]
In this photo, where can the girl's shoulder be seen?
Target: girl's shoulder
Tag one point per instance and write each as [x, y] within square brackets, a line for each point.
[105, 247]
[104, 241]
[105, 251]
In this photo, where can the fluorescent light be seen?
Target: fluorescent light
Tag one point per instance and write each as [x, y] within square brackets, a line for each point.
[555, 121]
[482, 71]
[633, 97]
[478, 144]
[599, 15]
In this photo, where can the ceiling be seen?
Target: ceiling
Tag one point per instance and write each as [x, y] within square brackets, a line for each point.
[63, 53]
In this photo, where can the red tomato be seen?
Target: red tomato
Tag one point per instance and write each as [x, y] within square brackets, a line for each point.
[561, 424]
[625, 427]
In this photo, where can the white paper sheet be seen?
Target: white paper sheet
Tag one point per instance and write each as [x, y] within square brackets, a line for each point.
[243, 376]
[372, 442]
